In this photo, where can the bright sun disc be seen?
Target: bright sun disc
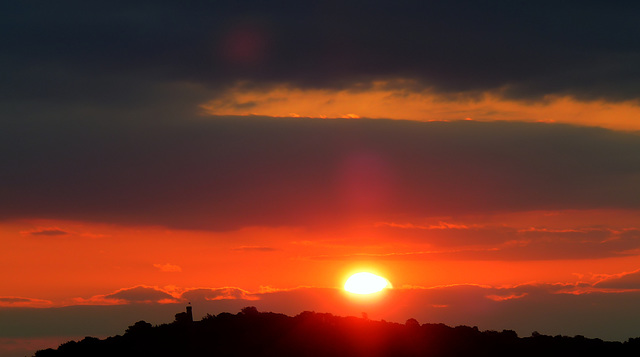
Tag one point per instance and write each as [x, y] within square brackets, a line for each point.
[365, 283]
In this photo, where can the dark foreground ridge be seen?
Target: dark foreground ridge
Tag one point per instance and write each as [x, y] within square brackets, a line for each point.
[253, 333]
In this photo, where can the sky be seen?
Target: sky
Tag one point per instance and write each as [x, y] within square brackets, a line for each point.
[482, 157]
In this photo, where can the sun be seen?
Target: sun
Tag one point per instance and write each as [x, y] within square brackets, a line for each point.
[366, 283]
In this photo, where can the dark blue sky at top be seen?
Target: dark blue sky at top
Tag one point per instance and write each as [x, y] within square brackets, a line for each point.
[62, 51]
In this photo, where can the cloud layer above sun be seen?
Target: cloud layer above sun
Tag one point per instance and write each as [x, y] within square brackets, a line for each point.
[231, 172]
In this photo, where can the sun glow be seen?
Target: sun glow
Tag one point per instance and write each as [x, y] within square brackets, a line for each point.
[366, 283]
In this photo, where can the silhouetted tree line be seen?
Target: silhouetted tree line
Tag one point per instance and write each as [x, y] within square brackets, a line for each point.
[253, 333]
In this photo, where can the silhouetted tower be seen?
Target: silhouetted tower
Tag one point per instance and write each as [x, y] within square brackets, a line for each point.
[189, 313]
[185, 317]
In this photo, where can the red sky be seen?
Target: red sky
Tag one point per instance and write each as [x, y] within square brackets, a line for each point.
[485, 160]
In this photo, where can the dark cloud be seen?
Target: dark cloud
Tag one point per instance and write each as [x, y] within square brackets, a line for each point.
[140, 294]
[102, 54]
[451, 236]
[545, 244]
[217, 294]
[623, 281]
[502, 243]
[49, 232]
[14, 299]
[226, 173]
[577, 244]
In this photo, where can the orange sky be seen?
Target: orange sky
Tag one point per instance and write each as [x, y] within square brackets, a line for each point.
[89, 259]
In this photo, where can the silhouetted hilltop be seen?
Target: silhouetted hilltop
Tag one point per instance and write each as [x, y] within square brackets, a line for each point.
[253, 333]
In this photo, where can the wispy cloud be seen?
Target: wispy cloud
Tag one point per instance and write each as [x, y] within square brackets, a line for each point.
[137, 294]
[626, 280]
[254, 248]
[171, 294]
[14, 301]
[168, 268]
[440, 225]
[47, 232]
[506, 297]
[211, 294]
